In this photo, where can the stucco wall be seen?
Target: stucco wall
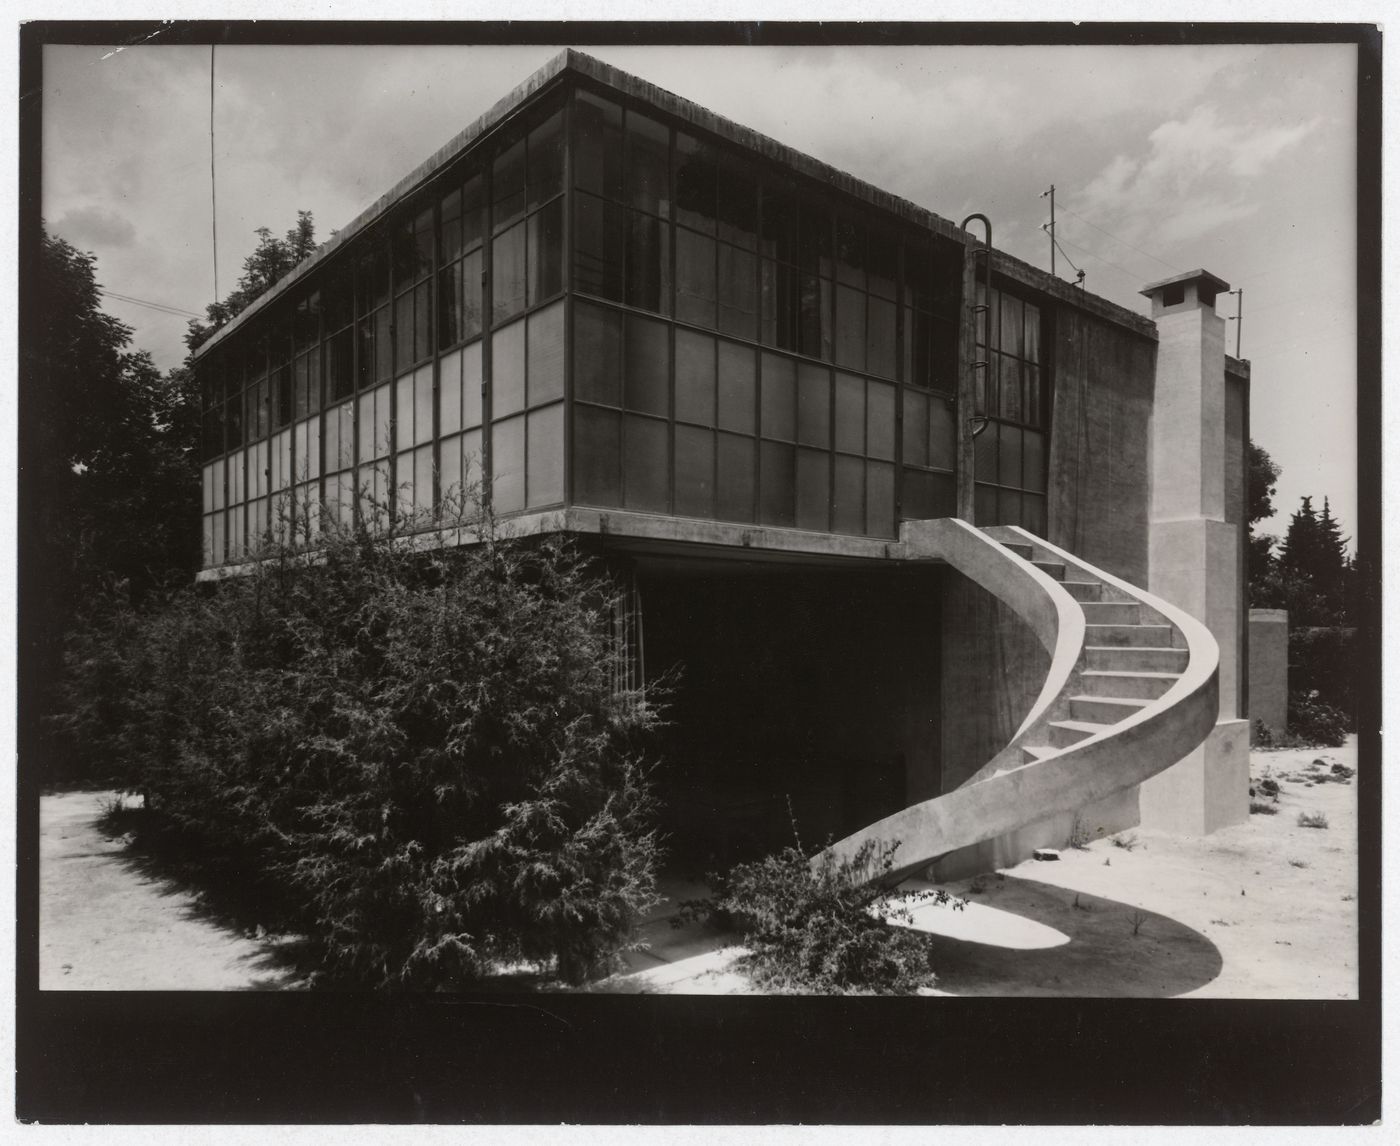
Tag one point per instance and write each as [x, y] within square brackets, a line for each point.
[1268, 667]
[1100, 443]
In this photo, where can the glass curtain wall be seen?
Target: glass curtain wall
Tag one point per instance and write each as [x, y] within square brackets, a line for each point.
[367, 390]
[1011, 392]
[738, 341]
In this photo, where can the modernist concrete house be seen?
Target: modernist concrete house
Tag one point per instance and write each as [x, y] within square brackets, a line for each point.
[949, 551]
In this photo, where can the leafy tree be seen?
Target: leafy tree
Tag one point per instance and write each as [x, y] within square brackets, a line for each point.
[110, 477]
[270, 261]
[1310, 577]
[1262, 482]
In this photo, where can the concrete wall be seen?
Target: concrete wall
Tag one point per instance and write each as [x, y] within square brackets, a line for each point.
[1100, 443]
[1268, 668]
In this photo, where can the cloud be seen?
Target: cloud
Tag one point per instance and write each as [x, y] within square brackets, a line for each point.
[95, 227]
[1194, 175]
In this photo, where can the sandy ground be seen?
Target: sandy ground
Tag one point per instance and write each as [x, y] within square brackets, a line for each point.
[1264, 909]
[106, 926]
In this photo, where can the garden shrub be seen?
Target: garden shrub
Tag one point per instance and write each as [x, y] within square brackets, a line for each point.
[822, 930]
[1314, 723]
[419, 759]
[1323, 660]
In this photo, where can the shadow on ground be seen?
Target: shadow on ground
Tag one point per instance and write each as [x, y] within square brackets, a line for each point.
[283, 962]
[1114, 950]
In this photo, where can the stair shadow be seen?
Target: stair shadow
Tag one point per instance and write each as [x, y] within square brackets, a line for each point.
[1104, 958]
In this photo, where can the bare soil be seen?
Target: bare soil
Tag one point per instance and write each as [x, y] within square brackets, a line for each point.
[1264, 909]
[107, 924]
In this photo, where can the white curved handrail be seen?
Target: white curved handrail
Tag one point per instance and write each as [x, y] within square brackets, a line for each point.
[996, 801]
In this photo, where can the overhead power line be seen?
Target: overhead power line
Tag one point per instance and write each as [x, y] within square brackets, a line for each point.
[1118, 239]
[165, 308]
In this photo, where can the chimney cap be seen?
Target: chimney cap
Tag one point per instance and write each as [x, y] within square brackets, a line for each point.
[1197, 276]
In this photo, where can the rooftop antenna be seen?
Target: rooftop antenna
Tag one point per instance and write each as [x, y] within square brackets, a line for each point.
[1050, 227]
[213, 200]
[1238, 317]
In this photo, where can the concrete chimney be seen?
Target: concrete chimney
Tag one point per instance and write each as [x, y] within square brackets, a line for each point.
[1194, 553]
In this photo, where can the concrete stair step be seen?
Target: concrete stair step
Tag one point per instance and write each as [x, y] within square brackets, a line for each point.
[1063, 733]
[1112, 612]
[1124, 658]
[1142, 685]
[1056, 569]
[1033, 752]
[1084, 590]
[1104, 709]
[1139, 636]
[1021, 549]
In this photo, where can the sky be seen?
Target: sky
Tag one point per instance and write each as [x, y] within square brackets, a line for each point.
[1236, 158]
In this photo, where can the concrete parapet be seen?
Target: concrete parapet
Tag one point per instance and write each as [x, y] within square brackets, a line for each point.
[1268, 668]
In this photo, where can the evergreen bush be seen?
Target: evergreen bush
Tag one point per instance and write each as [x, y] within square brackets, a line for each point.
[1314, 723]
[418, 759]
[822, 930]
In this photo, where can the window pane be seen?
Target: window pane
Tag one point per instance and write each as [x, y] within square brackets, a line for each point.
[814, 239]
[928, 495]
[1009, 507]
[879, 499]
[546, 241]
[984, 448]
[403, 329]
[471, 385]
[777, 484]
[597, 354]
[943, 356]
[449, 305]
[299, 387]
[1031, 382]
[648, 263]
[450, 393]
[471, 311]
[423, 405]
[778, 305]
[695, 472]
[1031, 350]
[422, 321]
[423, 479]
[508, 185]
[848, 501]
[646, 465]
[1033, 463]
[598, 158]
[814, 317]
[738, 292]
[450, 214]
[508, 464]
[1012, 317]
[598, 247]
[1009, 370]
[695, 183]
[508, 279]
[916, 425]
[850, 253]
[647, 370]
[545, 453]
[546, 360]
[383, 345]
[881, 264]
[735, 476]
[850, 414]
[814, 406]
[942, 435]
[778, 239]
[1033, 513]
[597, 456]
[879, 429]
[647, 144]
[736, 388]
[813, 489]
[508, 370]
[850, 327]
[695, 278]
[403, 412]
[1008, 454]
[695, 378]
[545, 163]
[737, 202]
[880, 341]
[779, 396]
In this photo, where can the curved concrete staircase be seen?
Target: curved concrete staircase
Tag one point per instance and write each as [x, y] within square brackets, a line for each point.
[1131, 689]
